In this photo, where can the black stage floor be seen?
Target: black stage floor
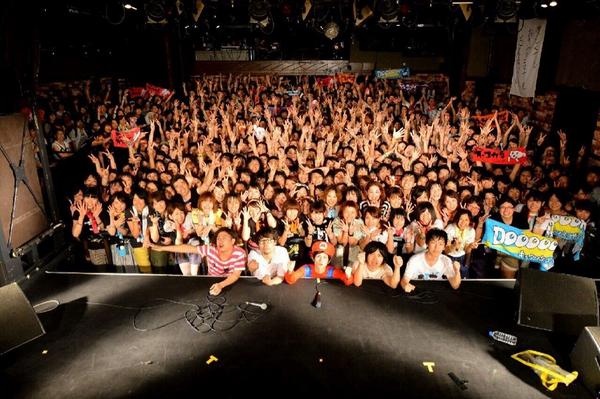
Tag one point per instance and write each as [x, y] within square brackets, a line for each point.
[369, 340]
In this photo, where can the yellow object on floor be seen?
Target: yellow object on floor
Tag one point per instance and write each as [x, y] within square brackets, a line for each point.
[545, 366]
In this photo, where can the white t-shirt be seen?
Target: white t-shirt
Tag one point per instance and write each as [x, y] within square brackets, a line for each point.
[378, 274]
[277, 266]
[418, 268]
[465, 238]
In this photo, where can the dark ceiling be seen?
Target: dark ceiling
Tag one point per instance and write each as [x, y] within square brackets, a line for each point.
[279, 29]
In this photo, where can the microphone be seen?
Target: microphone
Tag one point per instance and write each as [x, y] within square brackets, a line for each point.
[263, 306]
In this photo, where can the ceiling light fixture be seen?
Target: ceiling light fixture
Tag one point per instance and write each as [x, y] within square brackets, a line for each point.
[331, 30]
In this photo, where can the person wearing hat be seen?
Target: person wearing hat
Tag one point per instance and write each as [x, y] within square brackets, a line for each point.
[322, 252]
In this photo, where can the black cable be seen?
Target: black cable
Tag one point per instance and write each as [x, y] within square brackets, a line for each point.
[216, 310]
[206, 318]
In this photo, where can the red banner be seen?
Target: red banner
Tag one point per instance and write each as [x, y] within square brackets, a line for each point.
[482, 119]
[152, 90]
[122, 138]
[499, 157]
[325, 81]
[345, 78]
[135, 92]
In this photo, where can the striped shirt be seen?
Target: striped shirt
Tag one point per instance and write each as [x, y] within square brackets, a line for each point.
[219, 267]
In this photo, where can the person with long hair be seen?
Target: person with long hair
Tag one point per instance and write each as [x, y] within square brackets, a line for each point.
[349, 230]
[371, 264]
[461, 240]
[424, 219]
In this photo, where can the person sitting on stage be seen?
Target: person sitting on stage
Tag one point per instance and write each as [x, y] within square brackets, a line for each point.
[371, 265]
[432, 264]
[223, 259]
[269, 262]
[321, 252]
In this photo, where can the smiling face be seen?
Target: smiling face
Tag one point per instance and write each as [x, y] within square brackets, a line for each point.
[374, 260]
[374, 193]
[451, 204]
[331, 199]
[507, 210]
[463, 222]
[554, 203]
[178, 216]
[159, 206]
[425, 217]
[371, 221]
[534, 205]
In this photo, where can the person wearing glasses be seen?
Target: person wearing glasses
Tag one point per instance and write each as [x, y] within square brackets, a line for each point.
[269, 262]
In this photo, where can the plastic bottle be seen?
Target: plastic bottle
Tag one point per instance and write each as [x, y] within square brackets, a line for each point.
[503, 337]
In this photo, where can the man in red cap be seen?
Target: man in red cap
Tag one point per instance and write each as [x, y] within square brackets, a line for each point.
[322, 252]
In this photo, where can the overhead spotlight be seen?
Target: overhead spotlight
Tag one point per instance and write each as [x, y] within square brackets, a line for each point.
[362, 14]
[388, 10]
[553, 3]
[129, 7]
[307, 8]
[114, 13]
[155, 12]
[331, 30]
[198, 11]
[259, 11]
[544, 4]
[506, 9]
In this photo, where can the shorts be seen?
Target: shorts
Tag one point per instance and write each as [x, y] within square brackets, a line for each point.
[507, 262]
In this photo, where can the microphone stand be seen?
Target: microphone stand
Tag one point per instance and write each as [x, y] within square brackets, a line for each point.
[316, 302]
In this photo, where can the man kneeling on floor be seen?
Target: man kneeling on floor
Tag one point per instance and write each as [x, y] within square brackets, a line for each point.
[431, 264]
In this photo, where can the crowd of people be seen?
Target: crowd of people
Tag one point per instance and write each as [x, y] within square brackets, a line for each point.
[286, 177]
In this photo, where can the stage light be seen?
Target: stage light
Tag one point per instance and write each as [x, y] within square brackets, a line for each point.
[388, 10]
[331, 30]
[259, 11]
[544, 4]
[553, 3]
[129, 7]
[307, 8]
[155, 12]
[506, 9]
[198, 11]
[362, 14]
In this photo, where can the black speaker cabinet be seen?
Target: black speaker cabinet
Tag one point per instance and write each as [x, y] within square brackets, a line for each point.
[556, 302]
[19, 323]
[585, 358]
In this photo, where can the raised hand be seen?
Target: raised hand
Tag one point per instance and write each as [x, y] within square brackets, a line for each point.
[361, 258]
[311, 227]
[154, 219]
[246, 213]
[97, 209]
[456, 267]
[398, 261]
[563, 138]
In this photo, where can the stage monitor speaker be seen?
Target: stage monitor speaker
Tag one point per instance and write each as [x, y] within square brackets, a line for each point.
[585, 358]
[556, 302]
[19, 323]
